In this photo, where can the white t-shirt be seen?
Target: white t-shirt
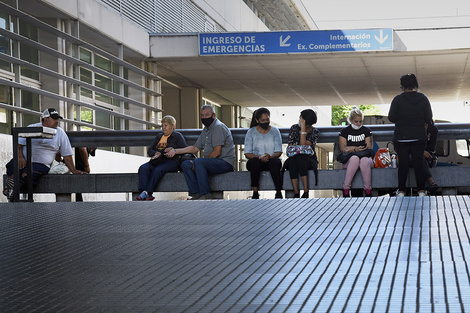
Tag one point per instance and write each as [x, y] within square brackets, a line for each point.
[44, 150]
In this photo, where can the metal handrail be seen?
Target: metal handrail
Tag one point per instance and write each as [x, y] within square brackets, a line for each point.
[142, 138]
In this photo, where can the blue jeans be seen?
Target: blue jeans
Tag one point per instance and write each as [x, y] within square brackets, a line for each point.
[149, 175]
[198, 180]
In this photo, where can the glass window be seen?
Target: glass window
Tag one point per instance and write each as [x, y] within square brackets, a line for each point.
[462, 148]
[30, 101]
[27, 52]
[4, 43]
[103, 119]
[86, 93]
[86, 75]
[86, 115]
[103, 82]
[442, 148]
[103, 98]
[5, 94]
[85, 55]
[102, 63]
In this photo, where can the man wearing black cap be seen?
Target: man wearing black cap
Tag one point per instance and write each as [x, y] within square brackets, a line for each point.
[43, 151]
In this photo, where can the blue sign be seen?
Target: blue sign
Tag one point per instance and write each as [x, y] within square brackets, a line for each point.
[314, 41]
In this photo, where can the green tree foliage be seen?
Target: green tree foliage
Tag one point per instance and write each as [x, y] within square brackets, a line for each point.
[338, 112]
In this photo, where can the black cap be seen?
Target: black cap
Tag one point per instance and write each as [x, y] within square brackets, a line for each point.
[50, 113]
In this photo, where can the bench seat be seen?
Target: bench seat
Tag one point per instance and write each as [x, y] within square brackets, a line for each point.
[450, 178]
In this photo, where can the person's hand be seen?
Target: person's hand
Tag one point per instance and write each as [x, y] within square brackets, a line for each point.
[21, 163]
[264, 158]
[427, 155]
[78, 172]
[302, 123]
[156, 155]
[169, 152]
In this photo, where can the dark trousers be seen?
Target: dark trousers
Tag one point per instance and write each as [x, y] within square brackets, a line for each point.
[404, 151]
[39, 170]
[255, 166]
[299, 165]
[149, 175]
[426, 170]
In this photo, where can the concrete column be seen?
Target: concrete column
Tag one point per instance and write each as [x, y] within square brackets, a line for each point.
[189, 107]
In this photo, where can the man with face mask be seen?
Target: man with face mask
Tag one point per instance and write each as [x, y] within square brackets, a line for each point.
[218, 154]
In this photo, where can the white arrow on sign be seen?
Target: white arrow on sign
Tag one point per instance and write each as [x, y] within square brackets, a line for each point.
[282, 42]
[381, 39]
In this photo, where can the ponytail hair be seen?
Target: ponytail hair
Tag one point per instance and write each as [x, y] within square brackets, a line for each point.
[257, 115]
[355, 112]
[409, 82]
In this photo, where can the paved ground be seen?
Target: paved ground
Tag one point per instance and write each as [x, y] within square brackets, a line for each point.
[295, 255]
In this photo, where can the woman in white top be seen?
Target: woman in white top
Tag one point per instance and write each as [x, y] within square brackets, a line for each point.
[263, 147]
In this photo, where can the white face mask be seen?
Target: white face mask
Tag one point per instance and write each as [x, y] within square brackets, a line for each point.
[356, 127]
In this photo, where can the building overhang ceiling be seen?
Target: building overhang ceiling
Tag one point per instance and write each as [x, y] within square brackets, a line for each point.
[321, 79]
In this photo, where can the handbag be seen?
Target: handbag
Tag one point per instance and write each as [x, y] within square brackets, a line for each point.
[293, 150]
[344, 157]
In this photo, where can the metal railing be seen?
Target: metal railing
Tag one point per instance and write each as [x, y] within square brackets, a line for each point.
[142, 138]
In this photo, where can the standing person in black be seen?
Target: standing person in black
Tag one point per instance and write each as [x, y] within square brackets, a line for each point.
[410, 111]
[81, 163]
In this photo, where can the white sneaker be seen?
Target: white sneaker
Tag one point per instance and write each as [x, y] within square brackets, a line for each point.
[421, 193]
[400, 194]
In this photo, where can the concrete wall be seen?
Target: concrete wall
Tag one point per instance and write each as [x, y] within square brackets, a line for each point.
[233, 15]
[105, 21]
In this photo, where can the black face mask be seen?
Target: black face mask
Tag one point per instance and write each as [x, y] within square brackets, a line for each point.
[207, 121]
[264, 125]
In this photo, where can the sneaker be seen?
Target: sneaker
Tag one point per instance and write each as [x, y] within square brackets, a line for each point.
[433, 188]
[345, 193]
[368, 193]
[255, 195]
[11, 196]
[143, 196]
[278, 195]
[400, 194]
[305, 195]
[8, 186]
[150, 198]
[421, 193]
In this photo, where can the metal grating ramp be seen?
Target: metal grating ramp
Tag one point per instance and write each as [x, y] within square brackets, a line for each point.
[291, 255]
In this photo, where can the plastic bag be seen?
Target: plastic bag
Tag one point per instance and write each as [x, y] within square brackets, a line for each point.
[59, 168]
[382, 158]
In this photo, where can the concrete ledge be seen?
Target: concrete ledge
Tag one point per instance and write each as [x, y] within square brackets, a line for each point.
[449, 178]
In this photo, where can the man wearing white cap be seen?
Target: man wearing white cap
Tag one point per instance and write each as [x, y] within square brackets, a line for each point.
[43, 152]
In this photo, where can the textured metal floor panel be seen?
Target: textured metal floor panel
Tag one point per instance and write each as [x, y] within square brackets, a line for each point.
[292, 255]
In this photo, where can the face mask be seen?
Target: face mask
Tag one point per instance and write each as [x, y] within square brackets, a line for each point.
[264, 125]
[356, 127]
[207, 121]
